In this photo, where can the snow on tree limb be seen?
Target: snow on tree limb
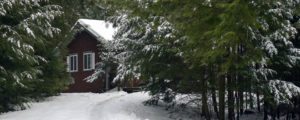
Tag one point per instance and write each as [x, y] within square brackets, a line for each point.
[283, 91]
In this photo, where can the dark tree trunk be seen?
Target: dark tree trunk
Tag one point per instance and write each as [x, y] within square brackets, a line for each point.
[240, 85]
[237, 96]
[251, 98]
[214, 99]
[258, 102]
[265, 112]
[205, 110]
[230, 97]
[241, 100]
[237, 106]
[241, 95]
[222, 84]
[247, 100]
[213, 90]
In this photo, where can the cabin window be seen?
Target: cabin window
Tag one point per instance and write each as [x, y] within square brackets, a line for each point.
[88, 61]
[72, 63]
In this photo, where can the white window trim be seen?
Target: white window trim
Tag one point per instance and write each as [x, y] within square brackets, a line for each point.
[68, 63]
[92, 61]
[69, 66]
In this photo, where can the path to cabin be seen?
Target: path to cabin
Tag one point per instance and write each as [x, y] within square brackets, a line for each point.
[89, 106]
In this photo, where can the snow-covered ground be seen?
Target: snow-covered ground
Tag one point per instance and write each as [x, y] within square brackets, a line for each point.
[112, 105]
[67, 106]
[89, 106]
[129, 107]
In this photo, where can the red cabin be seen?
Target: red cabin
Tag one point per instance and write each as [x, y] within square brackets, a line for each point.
[83, 54]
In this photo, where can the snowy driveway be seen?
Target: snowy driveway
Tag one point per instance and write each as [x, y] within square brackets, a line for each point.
[90, 106]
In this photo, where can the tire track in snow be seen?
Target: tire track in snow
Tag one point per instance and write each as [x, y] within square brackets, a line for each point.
[128, 107]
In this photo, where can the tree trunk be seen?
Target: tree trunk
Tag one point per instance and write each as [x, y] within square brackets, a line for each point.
[251, 99]
[230, 97]
[237, 106]
[222, 84]
[258, 101]
[214, 99]
[237, 94]
[240, 85]
[205, 110]
[241, 101]
[213, 89]
[107, 83]
[246, 100]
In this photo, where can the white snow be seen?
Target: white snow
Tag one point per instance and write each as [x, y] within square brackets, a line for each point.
[99, 28]
[112, 105]
[90, 106]
[130, 107]
[68, 106]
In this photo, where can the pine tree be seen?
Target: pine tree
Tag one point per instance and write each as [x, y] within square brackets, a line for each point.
[148, 51]
[25, 24]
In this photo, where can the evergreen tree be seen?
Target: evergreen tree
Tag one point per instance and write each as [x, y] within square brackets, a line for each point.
[150, 50]
[25, 26]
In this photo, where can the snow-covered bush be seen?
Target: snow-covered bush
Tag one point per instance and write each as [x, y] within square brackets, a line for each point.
[169, 96]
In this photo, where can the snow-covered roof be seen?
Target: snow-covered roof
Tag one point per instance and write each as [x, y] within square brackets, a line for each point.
[99, 28]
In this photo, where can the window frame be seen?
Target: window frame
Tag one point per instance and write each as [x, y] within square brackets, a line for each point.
[91, 61]
[70, 63]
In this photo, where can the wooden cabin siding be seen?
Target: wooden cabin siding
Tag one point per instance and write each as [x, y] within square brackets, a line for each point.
[84, 42]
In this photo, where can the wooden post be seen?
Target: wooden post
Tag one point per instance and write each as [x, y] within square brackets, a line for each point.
[107, 69]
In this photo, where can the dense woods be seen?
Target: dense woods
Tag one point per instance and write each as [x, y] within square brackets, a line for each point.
[237, 54]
